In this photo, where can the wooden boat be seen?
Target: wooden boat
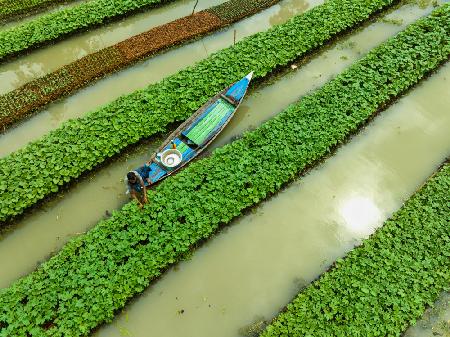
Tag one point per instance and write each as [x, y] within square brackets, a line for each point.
[195, 134]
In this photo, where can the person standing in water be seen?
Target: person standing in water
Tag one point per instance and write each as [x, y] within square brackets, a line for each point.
[136, 187]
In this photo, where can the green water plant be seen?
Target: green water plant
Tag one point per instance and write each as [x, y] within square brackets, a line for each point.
[231, 10]
[393, 21]
[81, 144]
[95, 274]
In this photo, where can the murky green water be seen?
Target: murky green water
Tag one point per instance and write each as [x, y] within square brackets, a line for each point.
[42, 61]
[252, 269]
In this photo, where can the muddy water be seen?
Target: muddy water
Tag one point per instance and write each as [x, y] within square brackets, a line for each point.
[22, 20]
[43, 232]
[142, 74]
[435, 321]
[45, 60]
[248, 272]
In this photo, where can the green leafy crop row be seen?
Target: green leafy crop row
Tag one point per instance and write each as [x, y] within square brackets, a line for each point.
[22, 101]
[96, 273]
[79, 145]
[61, 23]
[233, 10]
[384, 285]
[11, 8]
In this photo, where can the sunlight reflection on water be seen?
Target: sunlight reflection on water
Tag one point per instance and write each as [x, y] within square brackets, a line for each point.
[360, 213]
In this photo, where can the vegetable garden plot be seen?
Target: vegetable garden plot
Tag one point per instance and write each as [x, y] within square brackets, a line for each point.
[96, 274]
[81, 144]
[384, 285]
[21, 102]
[153, 70]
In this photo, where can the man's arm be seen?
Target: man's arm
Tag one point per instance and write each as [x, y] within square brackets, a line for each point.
[134, 196]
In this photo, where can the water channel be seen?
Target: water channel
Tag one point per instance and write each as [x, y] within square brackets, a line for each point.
[142, 74]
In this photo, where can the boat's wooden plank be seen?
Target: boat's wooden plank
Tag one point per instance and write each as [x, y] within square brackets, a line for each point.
[156, 173]
[237, 90]
[230, 100]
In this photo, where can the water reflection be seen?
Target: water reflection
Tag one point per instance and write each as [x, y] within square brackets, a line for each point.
[359, 212]
[294, 7]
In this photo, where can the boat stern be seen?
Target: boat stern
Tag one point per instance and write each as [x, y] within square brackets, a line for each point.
[238, 89]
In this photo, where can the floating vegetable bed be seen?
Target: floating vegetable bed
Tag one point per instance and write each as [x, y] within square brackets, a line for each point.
[97, 273]
[80, 144]
[21, 102]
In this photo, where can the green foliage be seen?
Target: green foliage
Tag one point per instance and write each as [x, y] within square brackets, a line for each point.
[385, 284]
[64, 22]
[79, 145]
[231, 10]
[96, 273]
[10, 8]
[53, 82]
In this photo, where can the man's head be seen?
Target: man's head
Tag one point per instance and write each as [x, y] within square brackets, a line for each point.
[131, 176]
